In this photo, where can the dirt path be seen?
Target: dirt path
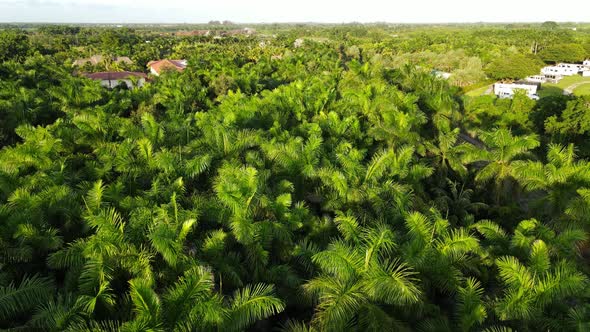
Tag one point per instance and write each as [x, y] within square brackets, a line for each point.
[570, 89]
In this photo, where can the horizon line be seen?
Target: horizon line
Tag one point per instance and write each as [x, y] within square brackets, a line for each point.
[295, 22]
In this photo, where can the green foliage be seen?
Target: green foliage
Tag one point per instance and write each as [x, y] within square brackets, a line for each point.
[549, 25]
[500, 155]
[336, 185]
[563, 53]
[251, 304]
[572, 123]
[14, 45]
[513, 66]
[16, 300]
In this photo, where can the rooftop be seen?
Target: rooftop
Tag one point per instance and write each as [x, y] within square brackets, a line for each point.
[159, 65]
[114, 75]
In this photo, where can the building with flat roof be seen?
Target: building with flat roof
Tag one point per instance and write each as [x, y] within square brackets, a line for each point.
[536, 79]
[507, 90]
[563, 69]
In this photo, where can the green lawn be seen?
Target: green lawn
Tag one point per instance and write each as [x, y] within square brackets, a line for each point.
[477, 92]
[582, 90]
[569, 80]
[550, 89]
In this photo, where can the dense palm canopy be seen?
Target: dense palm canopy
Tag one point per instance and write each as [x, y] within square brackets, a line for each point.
[271, 187]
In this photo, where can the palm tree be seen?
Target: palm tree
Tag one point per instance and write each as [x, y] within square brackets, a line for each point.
[446, 153]
[192, 304]
[560, 178]
[530, 289]
[249, 193]
[386, 177]
[439, 252]
[498, 157]
[456, 203]
[538, 281]
[356, 280]
[76, 93]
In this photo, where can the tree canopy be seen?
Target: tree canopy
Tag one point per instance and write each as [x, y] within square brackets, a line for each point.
[513, 66]
[573, 52]
[332, 185]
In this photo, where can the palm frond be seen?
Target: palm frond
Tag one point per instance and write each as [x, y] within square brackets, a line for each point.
[338, 302]
[514, 273]
[471, 309]
[94, 196]
[348, 226]
[392, 283]
[539, 258]
[340, 260]
[31, 292]
[146, 303]
[296, 326]
[193, 287]
[251, 304]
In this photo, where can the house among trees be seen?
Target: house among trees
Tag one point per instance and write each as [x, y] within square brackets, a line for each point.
[507, 90]
[194, 33]
[236, 32]
[441, 74]
[298, 42]
[536, 79]
[555, 73]
[158, 66]
[98, 59]
[563, 69]
[113, 79]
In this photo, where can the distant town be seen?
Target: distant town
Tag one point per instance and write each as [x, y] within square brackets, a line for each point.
[553, 74]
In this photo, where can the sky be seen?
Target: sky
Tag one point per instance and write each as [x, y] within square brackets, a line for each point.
[269, 11]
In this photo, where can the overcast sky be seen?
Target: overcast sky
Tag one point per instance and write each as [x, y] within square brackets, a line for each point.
[332, 11]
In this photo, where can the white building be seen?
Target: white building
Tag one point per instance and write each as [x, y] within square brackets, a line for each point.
[441, 74]
[507, 90]
[298, 42]
[572, 66]
[536, 79]
[586, 64]
[562, 69]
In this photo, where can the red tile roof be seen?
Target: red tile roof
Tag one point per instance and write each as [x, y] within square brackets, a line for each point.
[160, 65]
[114, 75]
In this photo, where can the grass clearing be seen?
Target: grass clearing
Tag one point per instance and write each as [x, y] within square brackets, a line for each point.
[582, 90]
[551, 89]
[569, 80]
[477, 92]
